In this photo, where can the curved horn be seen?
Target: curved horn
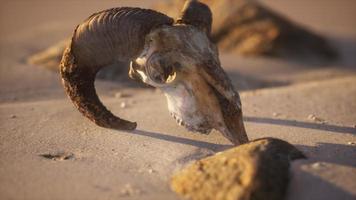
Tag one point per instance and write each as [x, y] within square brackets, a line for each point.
[107, 36]
[197, 14]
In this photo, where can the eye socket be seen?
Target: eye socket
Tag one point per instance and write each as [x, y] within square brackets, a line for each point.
[155, 74]
[161, 74]
[160, 67]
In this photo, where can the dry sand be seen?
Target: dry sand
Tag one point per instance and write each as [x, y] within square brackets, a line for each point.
[313, 107]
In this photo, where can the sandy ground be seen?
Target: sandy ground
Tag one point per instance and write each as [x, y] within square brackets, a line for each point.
[310, 105]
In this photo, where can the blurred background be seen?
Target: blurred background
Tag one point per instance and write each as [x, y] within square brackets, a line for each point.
[262, 44]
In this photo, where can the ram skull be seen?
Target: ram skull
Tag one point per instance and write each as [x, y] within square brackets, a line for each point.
[174, 56]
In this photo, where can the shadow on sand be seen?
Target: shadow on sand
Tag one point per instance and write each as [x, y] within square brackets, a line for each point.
[294, 123]
[331, 153]
[306, 185]
[221, 147]
[326, 152]
[181, 140]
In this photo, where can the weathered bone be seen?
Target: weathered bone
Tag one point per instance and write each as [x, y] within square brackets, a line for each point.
[200, 96]
[178, 58]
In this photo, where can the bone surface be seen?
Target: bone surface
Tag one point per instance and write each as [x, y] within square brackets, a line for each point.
[182, 62]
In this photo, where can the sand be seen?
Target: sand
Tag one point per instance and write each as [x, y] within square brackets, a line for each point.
[49, 151]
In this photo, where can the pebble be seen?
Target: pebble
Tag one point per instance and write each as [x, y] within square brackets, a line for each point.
[351, 143]
[317, 165]
[13, 116]
[123, 105]
[276, 114]
[315, 118]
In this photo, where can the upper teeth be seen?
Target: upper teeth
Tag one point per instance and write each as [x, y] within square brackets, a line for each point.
[178, 120]
[171, 77]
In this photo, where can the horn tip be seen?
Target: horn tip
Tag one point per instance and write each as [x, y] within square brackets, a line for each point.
[117, 124]
[124, 126]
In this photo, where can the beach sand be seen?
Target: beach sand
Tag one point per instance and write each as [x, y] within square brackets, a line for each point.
[48, 150]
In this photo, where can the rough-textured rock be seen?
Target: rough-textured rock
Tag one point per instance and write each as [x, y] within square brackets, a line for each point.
[258, 170]
[249, 28]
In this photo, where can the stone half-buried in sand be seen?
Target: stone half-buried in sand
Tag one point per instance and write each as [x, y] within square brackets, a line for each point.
[256, 170]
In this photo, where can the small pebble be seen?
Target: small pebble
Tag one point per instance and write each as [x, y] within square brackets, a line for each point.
[13, 116]
[276, 114]
[151, 171]
[315, 118]
[317, 165]
[351, 143]
[123, 105]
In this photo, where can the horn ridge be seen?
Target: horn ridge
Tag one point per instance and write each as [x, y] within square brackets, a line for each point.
[127, 27]
[196, 14]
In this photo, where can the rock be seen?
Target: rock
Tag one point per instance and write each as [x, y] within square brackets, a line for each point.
[257, 170]
[249, 28]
